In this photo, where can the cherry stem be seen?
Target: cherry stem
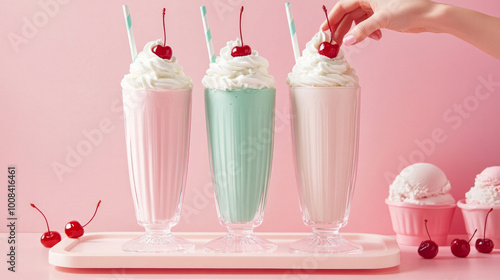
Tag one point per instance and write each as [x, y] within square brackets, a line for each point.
[425, 225]
[99, 203]
[485, 223]
[33, 205]
[472, 236]
[164, 32]
[241, 36]
[329, 27]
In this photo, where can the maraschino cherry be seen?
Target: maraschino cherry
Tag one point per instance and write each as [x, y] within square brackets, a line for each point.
[485, 245]
[461, 247]
[49, 238]
[242, 50]
[164, 51]
[428, 249]
[74, 229]
[327, 48]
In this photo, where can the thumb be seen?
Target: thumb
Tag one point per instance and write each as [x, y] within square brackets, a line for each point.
[363, 30]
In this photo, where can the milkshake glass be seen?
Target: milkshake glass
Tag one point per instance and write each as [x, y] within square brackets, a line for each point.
[240, 125]
[157, 127]
[157, 110]
[239, 107]
[325, 127]
[324, 96]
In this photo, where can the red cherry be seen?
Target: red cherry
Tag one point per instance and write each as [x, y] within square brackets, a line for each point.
[461, 247]
[164, 51]
[73, 229]
[49, 238]
[485, 245]
[327, 48]
[242, 50]
[428, 249]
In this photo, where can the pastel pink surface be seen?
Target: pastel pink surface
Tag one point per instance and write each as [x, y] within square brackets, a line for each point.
[408, 222]
[61, 81]
[474, 218]
[444, 266]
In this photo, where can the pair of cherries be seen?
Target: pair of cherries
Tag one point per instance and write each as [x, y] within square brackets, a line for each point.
[325, 48]
[428, 249]
[73, 229]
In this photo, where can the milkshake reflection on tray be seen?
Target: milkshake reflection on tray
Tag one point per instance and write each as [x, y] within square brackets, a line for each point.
[324, 96]
[239, 106]
[157, 108]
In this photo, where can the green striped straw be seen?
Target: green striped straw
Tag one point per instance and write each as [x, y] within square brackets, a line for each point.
[208, 35]
[293, 33]
[130, 32]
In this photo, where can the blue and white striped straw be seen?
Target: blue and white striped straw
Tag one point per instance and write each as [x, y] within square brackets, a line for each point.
[130, 32]
[293, 33]
[208, 34]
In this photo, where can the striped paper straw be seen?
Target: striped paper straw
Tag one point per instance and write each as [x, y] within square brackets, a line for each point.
[208, 35]
[293, 34]
[130, 32]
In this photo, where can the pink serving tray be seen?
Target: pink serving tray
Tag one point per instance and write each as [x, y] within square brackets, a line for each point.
[103, 250]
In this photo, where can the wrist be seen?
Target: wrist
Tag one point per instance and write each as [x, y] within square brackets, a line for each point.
[436, 19]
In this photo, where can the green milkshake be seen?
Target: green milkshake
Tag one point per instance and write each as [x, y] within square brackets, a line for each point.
[239, 106]
[240, 126]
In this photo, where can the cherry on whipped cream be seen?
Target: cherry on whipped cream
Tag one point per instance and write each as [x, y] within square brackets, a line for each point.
[327, 48]
[242, 50]
[164, 51]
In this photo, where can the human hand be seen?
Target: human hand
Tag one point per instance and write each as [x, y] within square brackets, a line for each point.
[372, 15]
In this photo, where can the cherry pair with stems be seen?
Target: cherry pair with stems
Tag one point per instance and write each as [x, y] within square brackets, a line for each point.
[428, 249]
[72, 229]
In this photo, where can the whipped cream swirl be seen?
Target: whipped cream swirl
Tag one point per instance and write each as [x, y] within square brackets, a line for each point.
[315, 70]
[150, 71]
[230, 72]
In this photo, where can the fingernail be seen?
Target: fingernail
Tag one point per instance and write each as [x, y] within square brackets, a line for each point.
[349, 40]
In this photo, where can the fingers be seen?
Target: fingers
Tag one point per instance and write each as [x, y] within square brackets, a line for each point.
[377, 35]
[364, 29]
[345, 24]
[338, 11]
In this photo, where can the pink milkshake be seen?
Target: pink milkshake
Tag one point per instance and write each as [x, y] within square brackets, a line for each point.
[157, 107]
[324, 95]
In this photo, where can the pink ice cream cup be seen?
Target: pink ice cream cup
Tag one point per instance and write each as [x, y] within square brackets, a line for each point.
[409, 226]
[474, 218]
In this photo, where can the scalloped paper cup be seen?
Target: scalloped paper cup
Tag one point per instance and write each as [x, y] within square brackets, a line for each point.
[474, 215]
[409, 226]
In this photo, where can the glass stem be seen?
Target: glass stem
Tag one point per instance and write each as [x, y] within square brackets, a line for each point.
[326, 232]
[240, 230]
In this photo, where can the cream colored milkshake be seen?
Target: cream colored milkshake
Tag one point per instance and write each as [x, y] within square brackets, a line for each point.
[324, 97]
[325, 130]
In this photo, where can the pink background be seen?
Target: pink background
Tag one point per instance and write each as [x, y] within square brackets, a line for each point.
[63, 81]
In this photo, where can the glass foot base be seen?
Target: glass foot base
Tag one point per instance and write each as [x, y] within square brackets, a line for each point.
[240, 244]
[333, 244]
[158, 243]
